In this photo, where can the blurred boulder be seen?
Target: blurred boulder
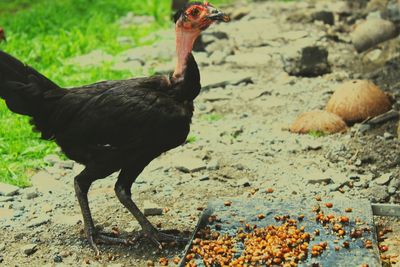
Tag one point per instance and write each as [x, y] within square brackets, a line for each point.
[372, 32]
[309, 61]
[326, 17]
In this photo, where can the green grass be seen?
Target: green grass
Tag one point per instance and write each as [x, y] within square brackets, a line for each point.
[317, 134]
[191, 139]
[212, 117]
[45, 34]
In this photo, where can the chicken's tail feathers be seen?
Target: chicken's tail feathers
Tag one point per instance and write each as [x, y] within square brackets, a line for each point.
[22, 87]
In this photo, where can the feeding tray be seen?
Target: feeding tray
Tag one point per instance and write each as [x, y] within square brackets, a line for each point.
[247, 210]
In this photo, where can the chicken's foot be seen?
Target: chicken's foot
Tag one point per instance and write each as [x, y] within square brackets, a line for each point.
[82, 184]
[123, 192]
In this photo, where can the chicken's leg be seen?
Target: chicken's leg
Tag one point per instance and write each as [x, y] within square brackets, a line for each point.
[82, 184]
[123, 192]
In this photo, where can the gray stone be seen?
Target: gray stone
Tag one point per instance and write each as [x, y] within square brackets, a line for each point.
[6, 199]
[67, 164]
[372, 32]
[293, 35]
[217, 57]
[378, 193]
[243, 182]
[388, 136]
[249, 59]
[318, 179]
[204, 178]
[128, 65]
[8, 190]
[191, 165]
[217, 78]
[131, 19]
[44, 182]
[31, 194]
[29, 249]
[384, 179]
[309, 61]
[326, 17]
[213, 165]
[151, 209]
[38, 222]
[52, 159]
[162, 50]
[94, 58]
[374, 55]
[394, 185]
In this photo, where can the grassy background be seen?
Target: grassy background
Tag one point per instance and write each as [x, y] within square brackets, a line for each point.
[44, 34]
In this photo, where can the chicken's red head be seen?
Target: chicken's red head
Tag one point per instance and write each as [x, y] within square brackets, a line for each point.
[198, 16]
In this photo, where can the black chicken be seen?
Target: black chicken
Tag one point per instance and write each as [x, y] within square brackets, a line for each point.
[114, 125]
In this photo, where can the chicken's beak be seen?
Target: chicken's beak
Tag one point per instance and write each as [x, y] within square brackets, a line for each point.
[218, 16]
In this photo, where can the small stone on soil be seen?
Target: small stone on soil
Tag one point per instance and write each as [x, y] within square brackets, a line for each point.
[151, 209]
[29, 249]
[384, 179]
[38, 222]
[58, 258]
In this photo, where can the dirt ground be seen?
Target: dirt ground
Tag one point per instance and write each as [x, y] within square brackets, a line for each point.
[240, 143]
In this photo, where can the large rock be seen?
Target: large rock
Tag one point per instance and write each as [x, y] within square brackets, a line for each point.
[372, 32]
[309, 61]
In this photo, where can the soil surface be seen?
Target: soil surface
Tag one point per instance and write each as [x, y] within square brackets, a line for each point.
[239, 142]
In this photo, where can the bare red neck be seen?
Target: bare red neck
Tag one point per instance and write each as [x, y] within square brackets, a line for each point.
[184, 44]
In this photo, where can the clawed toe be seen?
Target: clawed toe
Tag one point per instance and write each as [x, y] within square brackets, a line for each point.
[97, 238]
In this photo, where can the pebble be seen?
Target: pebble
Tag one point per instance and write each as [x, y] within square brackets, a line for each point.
[378, 193]
[191, 165]
[243, 182]
[68, 164]
[327, 17]
[394, 185]
[151, 209]
[29, 249]
[204, 178]
[32, 195]
[6, 199]
[38, 222]
[213, 165]
[58, 259]
[388, 136]
[383, 179]
[52, 159]
[8, 190]
[2, 247]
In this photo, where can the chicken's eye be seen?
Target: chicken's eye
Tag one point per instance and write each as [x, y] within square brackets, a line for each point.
[195, 12]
